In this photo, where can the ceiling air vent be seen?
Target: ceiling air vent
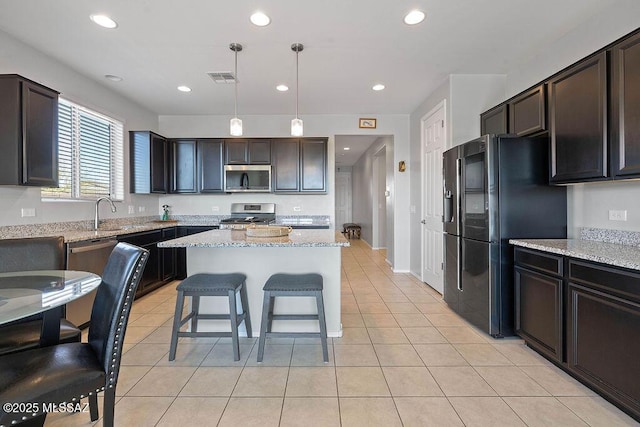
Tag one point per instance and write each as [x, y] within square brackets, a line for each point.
[222, 77]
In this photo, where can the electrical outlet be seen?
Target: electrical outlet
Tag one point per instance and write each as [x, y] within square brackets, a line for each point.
[297, 208]
[131, 209]
[215, 208]
[28, 212]
[617, 215]
[141, 209]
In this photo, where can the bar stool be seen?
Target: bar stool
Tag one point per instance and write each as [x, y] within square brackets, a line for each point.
[292, 285]
[205, 284]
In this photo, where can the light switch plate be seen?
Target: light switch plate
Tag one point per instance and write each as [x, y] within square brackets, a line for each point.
[618, 215]
[28, 212]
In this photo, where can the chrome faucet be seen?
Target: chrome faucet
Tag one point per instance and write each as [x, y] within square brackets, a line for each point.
[96, 220]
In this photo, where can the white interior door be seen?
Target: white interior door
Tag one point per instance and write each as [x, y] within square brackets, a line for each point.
[433, 143]
[343, 198]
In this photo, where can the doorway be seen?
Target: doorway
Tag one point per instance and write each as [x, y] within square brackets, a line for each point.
[343, 198]
[379, 179]
[433, 136]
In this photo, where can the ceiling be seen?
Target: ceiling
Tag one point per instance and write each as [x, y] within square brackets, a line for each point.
[348, 47]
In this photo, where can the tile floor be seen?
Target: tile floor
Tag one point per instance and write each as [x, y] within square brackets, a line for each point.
[404, 359]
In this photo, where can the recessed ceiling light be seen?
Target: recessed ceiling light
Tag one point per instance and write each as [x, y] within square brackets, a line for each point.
[260, 19]
[414, 17]
[282, 88]
[104, 21]
[347, 148]
[184, 88]
[113, 78]
[378, 86]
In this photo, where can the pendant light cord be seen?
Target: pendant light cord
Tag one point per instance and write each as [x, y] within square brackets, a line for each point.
[297, 80]
[235, 85]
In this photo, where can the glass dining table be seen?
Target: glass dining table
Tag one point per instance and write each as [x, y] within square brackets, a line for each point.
[25, 293]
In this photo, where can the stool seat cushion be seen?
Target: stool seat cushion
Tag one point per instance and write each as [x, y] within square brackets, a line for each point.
[204, 282]
[294, 282]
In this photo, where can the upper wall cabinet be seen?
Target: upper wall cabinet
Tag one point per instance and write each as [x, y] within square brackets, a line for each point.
[300, 165]
[196, 165]
[313, 165]
[28, 132]
[286, 165]
[625, 109]
[494, 121]
[578, 122]
[148, 158]
[184, 176]
[527, 112]
[247, 151]
[210, 165]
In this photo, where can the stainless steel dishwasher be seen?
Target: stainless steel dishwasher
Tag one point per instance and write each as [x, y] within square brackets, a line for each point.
[88, 255]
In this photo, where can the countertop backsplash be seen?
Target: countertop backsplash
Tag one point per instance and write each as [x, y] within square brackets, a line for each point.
[621, 237]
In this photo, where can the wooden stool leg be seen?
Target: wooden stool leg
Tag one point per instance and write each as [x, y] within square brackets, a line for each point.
[233, 315]
[323, 326]
[245, 309]
[177, 317]
[263, 324]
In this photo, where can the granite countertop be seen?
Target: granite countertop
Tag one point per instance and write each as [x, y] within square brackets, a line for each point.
[626, 256]
[238, 239]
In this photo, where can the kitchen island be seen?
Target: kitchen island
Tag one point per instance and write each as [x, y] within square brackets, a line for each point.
[302, 251]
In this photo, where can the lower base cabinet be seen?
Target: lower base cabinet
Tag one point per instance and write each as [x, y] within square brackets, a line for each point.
[586, 320]
[181, 253]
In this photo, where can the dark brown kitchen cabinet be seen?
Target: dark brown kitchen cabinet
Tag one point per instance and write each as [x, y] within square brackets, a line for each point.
[578, 122]
[625, 108]
[286, 165]
[313, 164]
[603, 323]
[248, 151]
[539, 301]
[149, 162]
[169, 255]
[527, 112]
[494, 121]
[184, 177]
[181, 253]
[28, 132]
[210, 165]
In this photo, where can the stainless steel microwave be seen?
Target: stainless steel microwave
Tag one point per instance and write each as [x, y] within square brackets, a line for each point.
[247, 178]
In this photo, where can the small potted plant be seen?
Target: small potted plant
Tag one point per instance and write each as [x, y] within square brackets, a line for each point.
[165, 214]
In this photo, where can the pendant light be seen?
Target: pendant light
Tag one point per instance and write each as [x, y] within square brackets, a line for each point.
[296, 124]
[235, 125]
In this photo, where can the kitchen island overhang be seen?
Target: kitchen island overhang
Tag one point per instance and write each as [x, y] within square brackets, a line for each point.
[302, 251]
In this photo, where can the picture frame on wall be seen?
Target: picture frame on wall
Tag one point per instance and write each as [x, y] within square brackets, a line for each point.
[367, 123]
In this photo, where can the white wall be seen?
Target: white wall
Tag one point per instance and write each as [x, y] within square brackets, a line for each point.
[314, 125]
[18, 58]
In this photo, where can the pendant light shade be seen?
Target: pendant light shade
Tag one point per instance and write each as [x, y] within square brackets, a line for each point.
[235, 124]
[296, 124]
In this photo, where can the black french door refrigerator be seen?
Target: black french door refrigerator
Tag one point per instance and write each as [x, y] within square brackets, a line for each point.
[495, 189]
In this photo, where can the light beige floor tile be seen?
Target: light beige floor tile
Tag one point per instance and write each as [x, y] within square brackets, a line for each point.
[162, 381]
[145, 354]
[311, 382]
[424, 335]
[135, 334]
[187, 355]
[165, 307]
[482, 355]
[349, 308]
[485, 411]
[433, 308]
[140, 411]
[510, 381]
[222, 355]
[380, 320]
[310, 412]
[353, 336]
[368, 298]
[419, 298]
[387, 336]
[543, 412]
[461, 381]
[397, 355]
[394, 297]
[159, 336]
[373, 308]
[411, 381]
[411, 320]
[444, 319]
[194, 411]
[439, 355]
[355, 355]
[361, 382]
[427, 411]
[274, 355]
[597, 412]
[557, 382]
[74, 419]
[311, 355]
[152, 319]
[402, 307]
[367, 412]
[521, 355]
[252, 412]
[261, 381]
[352, 320]
[212, 381]
[128, 377]
[460, 335]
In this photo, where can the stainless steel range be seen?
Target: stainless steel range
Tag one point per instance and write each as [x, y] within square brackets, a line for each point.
[243, 214]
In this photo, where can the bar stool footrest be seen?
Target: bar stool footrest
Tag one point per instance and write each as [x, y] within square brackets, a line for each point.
[293, 334]
[294, 316]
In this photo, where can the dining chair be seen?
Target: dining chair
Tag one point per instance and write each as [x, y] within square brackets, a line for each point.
[39, 253]
[70, 372]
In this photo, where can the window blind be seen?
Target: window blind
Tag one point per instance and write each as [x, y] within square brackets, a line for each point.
[90, 155]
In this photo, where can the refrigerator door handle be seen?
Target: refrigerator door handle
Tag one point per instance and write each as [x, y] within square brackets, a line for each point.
[459, 266]
[458, 190]
[448, 207]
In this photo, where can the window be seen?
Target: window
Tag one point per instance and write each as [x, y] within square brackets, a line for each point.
[90, 155]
